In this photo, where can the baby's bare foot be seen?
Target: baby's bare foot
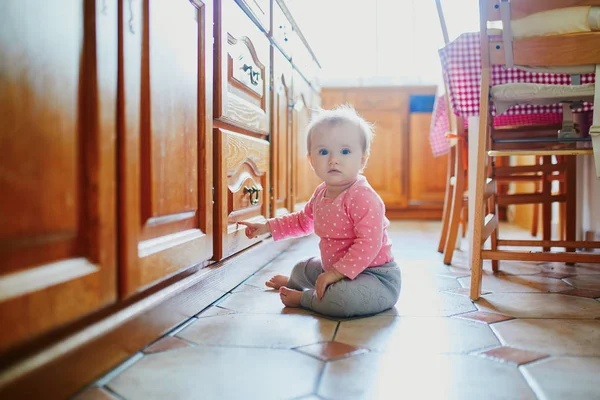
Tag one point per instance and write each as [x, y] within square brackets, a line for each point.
[277, 281]
[290, 297]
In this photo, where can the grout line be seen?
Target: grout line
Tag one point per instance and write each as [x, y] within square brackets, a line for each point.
[180, 327]
[105, 380]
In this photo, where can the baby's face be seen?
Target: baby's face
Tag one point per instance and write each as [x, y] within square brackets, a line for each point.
[336, 154]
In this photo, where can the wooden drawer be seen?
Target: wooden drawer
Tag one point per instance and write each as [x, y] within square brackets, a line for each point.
[259, 11]
[242, 67]
[242, 185]
[283, 31]
[378, 99]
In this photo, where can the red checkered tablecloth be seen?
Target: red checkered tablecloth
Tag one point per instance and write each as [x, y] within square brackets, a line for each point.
[461, 66]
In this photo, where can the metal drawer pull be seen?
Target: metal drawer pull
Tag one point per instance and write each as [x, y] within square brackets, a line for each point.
[252, 191]
[253, 74]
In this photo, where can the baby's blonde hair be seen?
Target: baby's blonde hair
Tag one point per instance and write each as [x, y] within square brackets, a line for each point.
[344, 114]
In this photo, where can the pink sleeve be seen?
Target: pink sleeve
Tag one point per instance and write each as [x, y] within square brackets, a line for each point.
[368, 214]
[300, 223]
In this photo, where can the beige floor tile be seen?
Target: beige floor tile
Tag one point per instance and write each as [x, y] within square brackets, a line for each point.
[377, 376]
[423, 279]
[539, 305]
[517, 283]
[331, 350]
[403, 335]
[461, 262]
[265, 302]
[219, 373]
[248, 288]
[567, 337]
[212, 311]
[588, 282]
[429, 303]
[260, 330]
[564, 378]
[582, 269]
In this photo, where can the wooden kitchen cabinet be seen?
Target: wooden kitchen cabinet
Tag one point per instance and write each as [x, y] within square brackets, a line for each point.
[242, 120]
[243, 183]
[242, 71]
[401, 167]
[426, 186]
[304, 178]
[165, 140]
[58, 85]
[281, 136]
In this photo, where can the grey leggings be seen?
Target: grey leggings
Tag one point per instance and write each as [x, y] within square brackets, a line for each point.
[374, 290]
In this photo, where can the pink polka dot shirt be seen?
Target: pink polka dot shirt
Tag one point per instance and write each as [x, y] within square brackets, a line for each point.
[352, 228]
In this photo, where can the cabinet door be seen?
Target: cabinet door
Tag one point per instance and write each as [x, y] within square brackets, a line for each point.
[427, 173]
[281, 167]
[305, 180]
[58, 79]
[242, 70]
[385, 170]
[166, 142]
[242, 187]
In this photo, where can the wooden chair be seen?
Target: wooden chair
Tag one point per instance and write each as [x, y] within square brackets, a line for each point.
[456, 201]
[559, 50]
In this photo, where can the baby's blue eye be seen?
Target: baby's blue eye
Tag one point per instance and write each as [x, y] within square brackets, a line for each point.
[323, 152]
[346, 151]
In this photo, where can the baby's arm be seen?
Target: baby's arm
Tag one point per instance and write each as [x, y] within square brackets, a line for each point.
[254, 230]
[368, 214]
[300, 223]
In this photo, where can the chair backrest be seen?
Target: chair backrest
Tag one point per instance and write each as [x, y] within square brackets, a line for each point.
[551, 50]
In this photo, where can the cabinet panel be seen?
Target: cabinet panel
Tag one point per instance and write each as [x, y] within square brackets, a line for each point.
[281, 143]
[242, 68]
[305, 180]
[166, 193]
[427, 173]
[58, 79]
[242, 184]
[385, 169]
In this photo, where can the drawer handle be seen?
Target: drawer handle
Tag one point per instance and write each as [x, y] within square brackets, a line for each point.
[254, 194]
[253, 74]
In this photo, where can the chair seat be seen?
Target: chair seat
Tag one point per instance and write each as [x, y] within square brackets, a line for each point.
[511, 94]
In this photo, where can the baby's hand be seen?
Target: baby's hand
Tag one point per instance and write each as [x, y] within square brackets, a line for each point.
[254, 230]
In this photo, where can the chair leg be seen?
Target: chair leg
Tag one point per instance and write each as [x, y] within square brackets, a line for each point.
[546, 205]
[479, 141]
[535, 220]
[458, 194]
[571, 203]
[447, 200]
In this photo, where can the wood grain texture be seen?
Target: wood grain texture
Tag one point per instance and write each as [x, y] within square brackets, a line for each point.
[240, 161]
[426, 184]
[89, 352]
[280, 138]
[523, 8]
[559, 50]
[57, 98]
[166, 137]
[242, 70]
[305, 180]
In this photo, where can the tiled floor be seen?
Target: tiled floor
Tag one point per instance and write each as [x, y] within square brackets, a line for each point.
[536, 334]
